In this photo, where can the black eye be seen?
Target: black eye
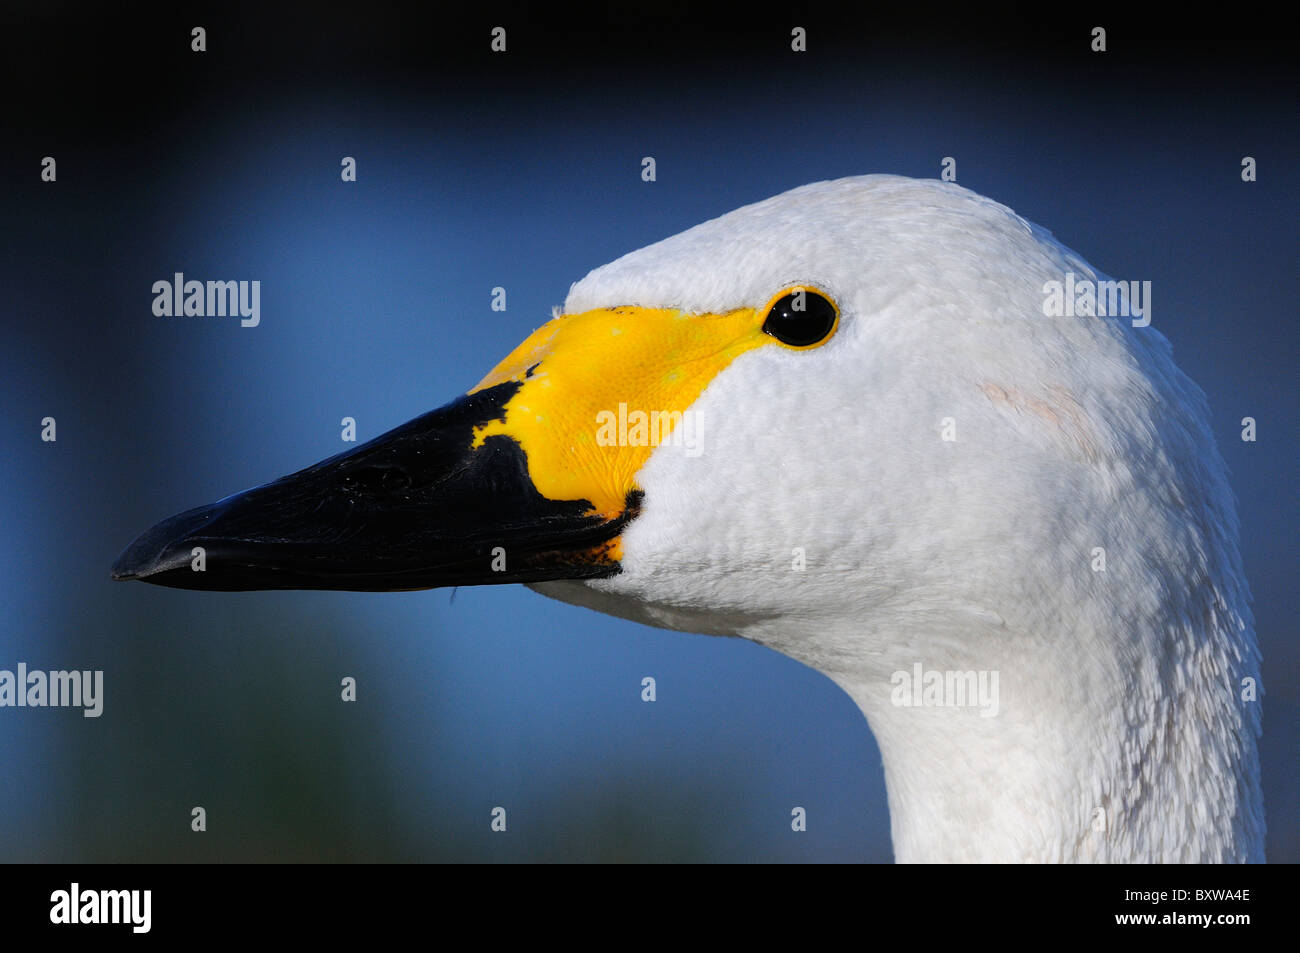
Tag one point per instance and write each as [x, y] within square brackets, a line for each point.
[801, 318]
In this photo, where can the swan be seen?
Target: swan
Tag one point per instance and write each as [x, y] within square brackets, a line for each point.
[843, 423]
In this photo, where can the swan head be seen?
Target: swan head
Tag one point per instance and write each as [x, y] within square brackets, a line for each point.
[843, 422]
[949, 451]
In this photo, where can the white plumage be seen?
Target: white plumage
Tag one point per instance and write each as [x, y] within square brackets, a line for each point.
[1122, 733]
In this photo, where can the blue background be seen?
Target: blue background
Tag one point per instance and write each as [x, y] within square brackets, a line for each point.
[376, 305]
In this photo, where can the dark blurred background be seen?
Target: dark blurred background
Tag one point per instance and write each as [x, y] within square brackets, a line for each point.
[522, 170]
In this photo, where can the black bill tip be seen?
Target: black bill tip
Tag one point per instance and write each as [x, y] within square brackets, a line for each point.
[419, 507]
[164, 547]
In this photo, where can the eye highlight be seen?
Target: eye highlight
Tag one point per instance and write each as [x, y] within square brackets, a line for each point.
[801, 318]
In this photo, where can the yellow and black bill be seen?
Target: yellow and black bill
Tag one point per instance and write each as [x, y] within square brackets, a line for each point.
[430, 503]
[524, 479]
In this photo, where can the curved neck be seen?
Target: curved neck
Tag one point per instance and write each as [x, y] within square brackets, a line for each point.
[1000, 747]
